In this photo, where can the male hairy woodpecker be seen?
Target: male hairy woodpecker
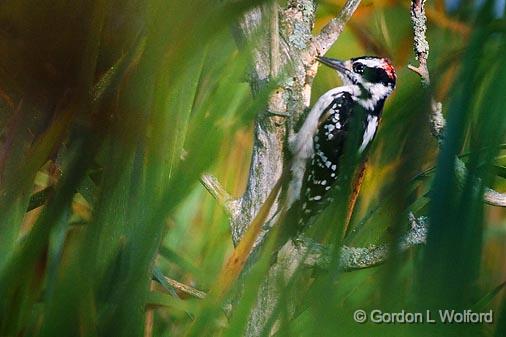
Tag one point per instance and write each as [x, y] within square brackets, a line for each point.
[317, 148]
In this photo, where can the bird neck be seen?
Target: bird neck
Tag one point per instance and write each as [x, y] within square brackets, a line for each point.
[372, 96]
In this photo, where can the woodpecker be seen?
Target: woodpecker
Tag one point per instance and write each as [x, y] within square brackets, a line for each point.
[318, 146]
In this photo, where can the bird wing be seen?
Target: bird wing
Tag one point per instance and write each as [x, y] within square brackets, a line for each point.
[329, 144]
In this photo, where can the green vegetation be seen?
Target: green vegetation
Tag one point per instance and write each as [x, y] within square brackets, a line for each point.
[110, 111]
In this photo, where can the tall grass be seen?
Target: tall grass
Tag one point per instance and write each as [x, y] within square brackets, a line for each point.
[111, 110]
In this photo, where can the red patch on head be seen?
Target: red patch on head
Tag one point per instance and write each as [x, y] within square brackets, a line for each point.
[389, 68]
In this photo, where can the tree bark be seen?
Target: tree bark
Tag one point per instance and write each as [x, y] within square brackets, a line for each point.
[286, 47]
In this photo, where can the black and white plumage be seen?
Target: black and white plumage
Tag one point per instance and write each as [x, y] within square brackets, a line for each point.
[319, 145]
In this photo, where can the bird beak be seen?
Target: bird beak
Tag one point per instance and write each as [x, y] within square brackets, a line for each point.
[333, 63]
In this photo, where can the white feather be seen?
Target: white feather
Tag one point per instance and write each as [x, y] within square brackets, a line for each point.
[370, 131]
[378, 92]
[301, 144]
[373, 63]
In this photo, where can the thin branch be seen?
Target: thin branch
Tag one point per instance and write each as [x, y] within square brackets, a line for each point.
[352, 258]
[443, 21]
[214, 188]
[490, 196]
[437, 120]
[421, 48]
[420, 45]
[495, 198]
[274, 35]
[359, 258]
[185, 288]
[330, 33]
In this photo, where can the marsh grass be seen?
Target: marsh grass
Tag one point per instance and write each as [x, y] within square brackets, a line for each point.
[110, 112]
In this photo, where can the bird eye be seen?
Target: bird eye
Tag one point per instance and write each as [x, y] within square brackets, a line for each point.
[358, 68]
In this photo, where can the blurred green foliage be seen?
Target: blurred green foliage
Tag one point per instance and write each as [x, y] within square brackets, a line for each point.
[111, 110]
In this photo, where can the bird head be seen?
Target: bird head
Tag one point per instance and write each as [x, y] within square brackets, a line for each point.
[374, 74]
